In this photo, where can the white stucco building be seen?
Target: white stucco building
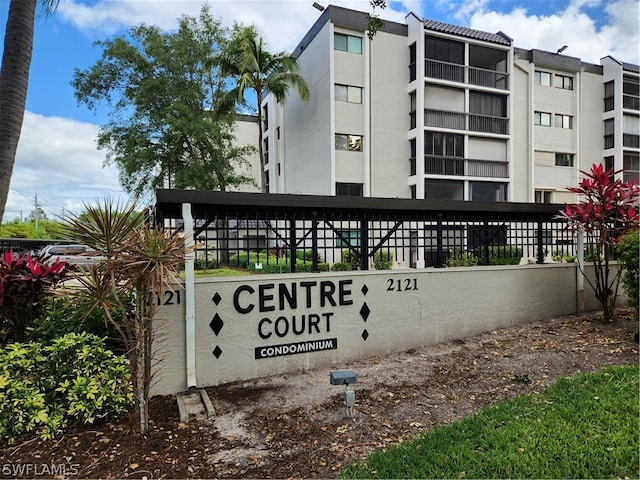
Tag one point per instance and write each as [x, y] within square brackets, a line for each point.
[432, 110]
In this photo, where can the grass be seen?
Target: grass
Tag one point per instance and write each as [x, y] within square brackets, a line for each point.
[585, 426]
[218, 272]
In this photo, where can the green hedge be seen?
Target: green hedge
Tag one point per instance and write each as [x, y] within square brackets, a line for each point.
[43, 387]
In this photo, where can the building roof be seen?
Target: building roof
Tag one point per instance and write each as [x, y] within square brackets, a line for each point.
[499, 37]
[630, 67]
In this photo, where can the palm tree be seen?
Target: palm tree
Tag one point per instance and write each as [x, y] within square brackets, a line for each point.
[14, 80]
[256, 69]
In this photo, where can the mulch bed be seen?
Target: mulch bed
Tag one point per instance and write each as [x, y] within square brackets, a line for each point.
[255, 435]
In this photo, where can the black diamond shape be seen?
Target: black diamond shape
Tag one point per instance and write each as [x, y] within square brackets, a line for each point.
[364, 312]
[217, 352]
[216, 298]
[364, 289]
[365, 334]
[216, 324]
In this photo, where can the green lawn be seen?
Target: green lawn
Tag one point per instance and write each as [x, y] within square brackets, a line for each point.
[218, 272]
[585, 426]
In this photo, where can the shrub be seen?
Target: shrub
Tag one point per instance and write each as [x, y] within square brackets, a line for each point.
[504, 255]
[24, 284]
[457, 257]
[560, 256]
[307, 267]
[383, 260]
[628, 249]
[247, 259]
[204, 264]
[41, 388]
[62, 315]
[341, 267]
[351, 258]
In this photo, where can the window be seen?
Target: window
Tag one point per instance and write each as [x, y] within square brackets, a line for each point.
[542, 78]
[564, 159]
[265, 118]
[351, 143]
[347, 43]
[443, 189]
[564, 82]
[487, 192]
[564, 121]
[412, 157]
[412, 62]
[631, 166]
[279, 169]
[609, 95]
[278, 133]
[347, 238]
[444, 144]
[347, 93]
[542, 118]
[489, 104]
[265, 150]
[349, 189]
[609, 127]
[543, 196]
[412, 112]
[448, 51]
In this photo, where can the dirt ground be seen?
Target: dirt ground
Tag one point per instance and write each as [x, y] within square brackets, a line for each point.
[296, 426]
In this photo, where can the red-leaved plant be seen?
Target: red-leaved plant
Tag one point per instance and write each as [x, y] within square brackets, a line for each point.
[24, 283]
[607, 208]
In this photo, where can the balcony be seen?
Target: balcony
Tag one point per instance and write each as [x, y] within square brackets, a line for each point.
[630, 141]
[437, 165]
[466, 121]
[631, 102]
[463, 74]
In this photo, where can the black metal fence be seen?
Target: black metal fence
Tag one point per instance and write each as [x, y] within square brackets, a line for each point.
[277, 233]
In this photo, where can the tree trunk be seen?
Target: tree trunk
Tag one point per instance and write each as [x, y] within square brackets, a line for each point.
[14, 80]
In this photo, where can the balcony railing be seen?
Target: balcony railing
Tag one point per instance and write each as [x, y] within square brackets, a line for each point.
[436, 165]
[466, 121]
[464, 74]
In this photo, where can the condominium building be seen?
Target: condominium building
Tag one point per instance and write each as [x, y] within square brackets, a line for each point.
[436, 111]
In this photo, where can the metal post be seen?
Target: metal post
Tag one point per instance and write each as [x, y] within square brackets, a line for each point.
[439, 252]
[292, 244]
[364, 243]
[314, 241]
[540, 252]
[579, 273]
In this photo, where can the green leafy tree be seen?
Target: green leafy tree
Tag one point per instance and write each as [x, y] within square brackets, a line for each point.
[256, 69]
[169, 124]
[14, 82]
[374, 22]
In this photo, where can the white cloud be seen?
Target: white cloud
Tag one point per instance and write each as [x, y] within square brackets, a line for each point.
[57, 160]
[282, 22]
[619, 36]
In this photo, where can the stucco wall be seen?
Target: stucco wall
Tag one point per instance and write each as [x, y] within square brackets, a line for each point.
[240, 320]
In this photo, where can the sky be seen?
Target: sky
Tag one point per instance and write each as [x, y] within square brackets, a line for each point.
[57, 163]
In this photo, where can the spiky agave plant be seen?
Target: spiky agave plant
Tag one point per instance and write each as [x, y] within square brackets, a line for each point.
[139, 260]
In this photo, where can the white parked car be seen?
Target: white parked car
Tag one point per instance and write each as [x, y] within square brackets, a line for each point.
[79, 255]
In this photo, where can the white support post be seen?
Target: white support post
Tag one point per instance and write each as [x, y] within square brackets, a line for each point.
[189, 285]
[580, 273]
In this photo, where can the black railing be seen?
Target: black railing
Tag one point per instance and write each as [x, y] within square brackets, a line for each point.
[259, 231]
[464, 74]
[466, 121]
